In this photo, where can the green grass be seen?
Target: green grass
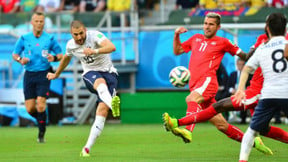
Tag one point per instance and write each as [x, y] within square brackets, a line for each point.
[127, 143]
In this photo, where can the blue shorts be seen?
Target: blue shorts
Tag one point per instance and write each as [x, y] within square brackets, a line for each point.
[265, 111]
[110, 78]
[36, 84]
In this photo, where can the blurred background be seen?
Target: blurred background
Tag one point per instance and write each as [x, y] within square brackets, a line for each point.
[142, 31]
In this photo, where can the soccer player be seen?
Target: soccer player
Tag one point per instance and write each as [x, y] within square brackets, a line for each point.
[229, 104]
[33, 50]
[207, 53]
[270, 57]
[99, 74]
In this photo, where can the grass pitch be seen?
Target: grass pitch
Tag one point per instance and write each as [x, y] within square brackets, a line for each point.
[129, 143]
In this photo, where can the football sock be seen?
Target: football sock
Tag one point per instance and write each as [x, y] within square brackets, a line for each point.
[95, 131]
[278, 134]
[104, 94]
[191, 108]
[34, 114]
[41, 118]
[247, 144]
[234, 133]
[198, 117]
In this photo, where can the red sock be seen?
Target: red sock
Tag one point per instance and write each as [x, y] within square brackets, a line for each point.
[278, 134]
[234, 133]
[191, 109]
[198, 117]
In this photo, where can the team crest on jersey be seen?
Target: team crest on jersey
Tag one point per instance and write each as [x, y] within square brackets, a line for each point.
[213, 43]
[198, 40]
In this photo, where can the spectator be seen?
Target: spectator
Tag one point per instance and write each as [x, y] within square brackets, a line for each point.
[229, 4]
[50, 5]
[28, 5]
[9, 6]
[186, 4]
[208, 4]
[92, 5]
[118, 5]
[255, 5]
[277, 3]
[70, 5]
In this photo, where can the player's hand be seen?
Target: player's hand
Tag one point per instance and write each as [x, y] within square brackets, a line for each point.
[24, 61]
[239, 96]
[51, 76]
[180, 30]
[50, 58]
[88, 51]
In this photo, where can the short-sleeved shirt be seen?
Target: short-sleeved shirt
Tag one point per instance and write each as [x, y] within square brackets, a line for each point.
[256, 83]
[270, 58]
[32, 47]
[97, 62]
[206, 55]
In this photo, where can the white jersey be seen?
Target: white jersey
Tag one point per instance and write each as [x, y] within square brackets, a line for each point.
[274, 67]
[96, 62]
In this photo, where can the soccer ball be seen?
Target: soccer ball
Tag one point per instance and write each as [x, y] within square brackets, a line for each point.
[179, 76]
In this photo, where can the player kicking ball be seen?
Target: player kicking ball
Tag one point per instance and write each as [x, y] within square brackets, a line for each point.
[92, 48]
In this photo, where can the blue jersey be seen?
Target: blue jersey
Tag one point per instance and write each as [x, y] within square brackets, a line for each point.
[32, 47]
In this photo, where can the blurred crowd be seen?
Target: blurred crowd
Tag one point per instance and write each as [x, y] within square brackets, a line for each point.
[229, 4]
[52, 6]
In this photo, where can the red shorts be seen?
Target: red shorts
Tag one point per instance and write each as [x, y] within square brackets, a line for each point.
[207, 87]
[252, 98]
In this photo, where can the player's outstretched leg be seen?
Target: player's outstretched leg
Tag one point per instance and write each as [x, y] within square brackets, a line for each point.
[259, 145]
[85, 152]
[169, 123]
[115, 106]
[183, 133]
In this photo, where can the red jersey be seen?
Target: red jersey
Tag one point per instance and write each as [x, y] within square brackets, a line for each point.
[206, 55]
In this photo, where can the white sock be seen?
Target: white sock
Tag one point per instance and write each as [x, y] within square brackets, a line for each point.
[247, 143]
[104, 94]
[95, 131]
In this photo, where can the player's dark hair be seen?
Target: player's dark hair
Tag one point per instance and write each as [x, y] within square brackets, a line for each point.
[76, 24]
[39, 13]
[215, 16]
[277, 24]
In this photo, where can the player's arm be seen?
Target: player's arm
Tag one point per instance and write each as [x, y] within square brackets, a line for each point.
[286, 51]
[177, 47]
[106, 46]
[240, 93]
[63, 64]
[245, 56]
